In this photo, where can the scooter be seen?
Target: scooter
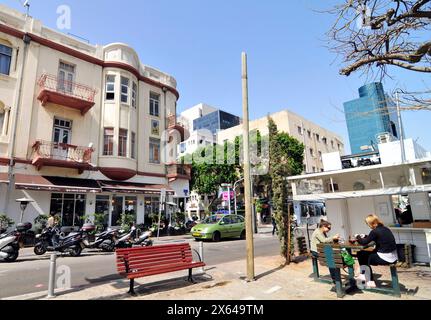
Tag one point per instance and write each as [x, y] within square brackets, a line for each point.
[129, 239]
[11, 242]
[104, 240]
[51, 240]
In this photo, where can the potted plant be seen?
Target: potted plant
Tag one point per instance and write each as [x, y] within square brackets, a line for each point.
[5, 223]
[40, 223]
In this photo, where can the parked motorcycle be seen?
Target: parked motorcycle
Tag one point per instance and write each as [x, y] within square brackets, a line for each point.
[51, 239]
[130, 239]
[104, 240]
[11, 242]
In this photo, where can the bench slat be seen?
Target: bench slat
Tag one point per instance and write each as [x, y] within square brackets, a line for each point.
[155, 271]
[160, 264]
[159, 257]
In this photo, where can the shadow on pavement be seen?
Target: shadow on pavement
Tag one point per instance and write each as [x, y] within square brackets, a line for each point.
[156, 287]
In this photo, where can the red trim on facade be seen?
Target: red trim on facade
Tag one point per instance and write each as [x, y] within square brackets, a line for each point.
[77, 54]
[119, 174]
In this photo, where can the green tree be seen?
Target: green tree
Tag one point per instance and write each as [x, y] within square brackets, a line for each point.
[5, 222]
[211, 167]
[285, 159]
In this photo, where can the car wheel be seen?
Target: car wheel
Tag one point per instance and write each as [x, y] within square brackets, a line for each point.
[242, 236]
[216, 236]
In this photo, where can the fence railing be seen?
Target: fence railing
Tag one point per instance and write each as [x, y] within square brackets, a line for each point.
[61, 151]
[65, 87]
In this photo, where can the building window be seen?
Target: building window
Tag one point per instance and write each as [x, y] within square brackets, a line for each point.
[110, 87]
[325, 141]
[309, 133]
[300, 130]
[70, 207]
[124, 90]
[154, 150]
[314, 169]
[317, 137]
[339, 147]
[312, 152]
[320, 155]
[122, 143]
[134, 94]
[108, 142]
[154, 104]
[5, 59]
[332, 143]
[133, 155]
[66, 76]
[155, 127]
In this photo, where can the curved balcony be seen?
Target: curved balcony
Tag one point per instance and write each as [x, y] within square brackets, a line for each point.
[174, 125]
[66, 93]
[47, 153]
[179, 171]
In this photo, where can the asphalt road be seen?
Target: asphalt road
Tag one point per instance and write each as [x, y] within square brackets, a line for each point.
[29, 274]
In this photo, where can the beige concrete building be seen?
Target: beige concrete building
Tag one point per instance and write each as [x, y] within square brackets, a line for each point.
[317, 140]
[83, 126]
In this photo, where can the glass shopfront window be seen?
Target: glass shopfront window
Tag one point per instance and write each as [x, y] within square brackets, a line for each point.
[71, 208]
[120, 205]
[102, 209]
[151, 207]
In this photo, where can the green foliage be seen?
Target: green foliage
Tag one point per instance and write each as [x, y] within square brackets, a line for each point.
[5, 222]
[100, 221]
[286, 159]
[259, 207]
[126, 221]
[212, 166]
[40, 222]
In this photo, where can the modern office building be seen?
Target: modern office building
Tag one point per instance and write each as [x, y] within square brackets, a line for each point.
[216, 121]
[371, 115]
[202, 123]
[82, 127]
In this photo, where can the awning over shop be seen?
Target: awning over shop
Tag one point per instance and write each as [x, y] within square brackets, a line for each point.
[362, 194]
[128, 187]
[61, 184]
[56, 184]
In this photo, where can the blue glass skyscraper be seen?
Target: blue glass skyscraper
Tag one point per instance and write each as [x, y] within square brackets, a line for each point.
[372, 114]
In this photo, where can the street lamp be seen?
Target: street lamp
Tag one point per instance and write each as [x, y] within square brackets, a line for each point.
[23, 205]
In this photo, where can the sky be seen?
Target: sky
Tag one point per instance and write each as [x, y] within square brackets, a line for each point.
[199, 42]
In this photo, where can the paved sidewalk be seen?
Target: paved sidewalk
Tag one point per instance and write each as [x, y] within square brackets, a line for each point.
[226, 281]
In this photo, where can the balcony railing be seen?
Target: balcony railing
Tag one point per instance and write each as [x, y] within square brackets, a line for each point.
[66, 93]
[179, 170]
[47, 153]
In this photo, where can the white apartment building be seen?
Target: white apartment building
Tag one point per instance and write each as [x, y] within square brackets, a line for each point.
[83, 127]
[317, 140]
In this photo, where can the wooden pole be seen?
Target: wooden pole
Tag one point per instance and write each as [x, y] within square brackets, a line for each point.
[247, 176]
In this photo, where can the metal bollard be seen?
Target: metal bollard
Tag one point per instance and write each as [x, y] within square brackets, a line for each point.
[201, 253]
[52, 275]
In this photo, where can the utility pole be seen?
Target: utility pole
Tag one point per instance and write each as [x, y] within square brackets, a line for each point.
[400, 128]
[247, 174]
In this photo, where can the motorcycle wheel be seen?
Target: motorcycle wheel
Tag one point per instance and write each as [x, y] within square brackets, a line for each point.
[12, 257]
[109, 248]
[39, 249]
[75, 252]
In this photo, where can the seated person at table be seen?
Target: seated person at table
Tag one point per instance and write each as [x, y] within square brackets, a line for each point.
[386, 248]
[320, 235]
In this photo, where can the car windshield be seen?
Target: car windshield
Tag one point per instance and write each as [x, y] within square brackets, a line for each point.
[212, 219]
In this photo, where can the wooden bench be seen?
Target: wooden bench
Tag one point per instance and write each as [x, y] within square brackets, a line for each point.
[147, 261]
[330, 256]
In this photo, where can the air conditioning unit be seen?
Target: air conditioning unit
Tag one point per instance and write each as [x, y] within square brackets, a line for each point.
[384, 137]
